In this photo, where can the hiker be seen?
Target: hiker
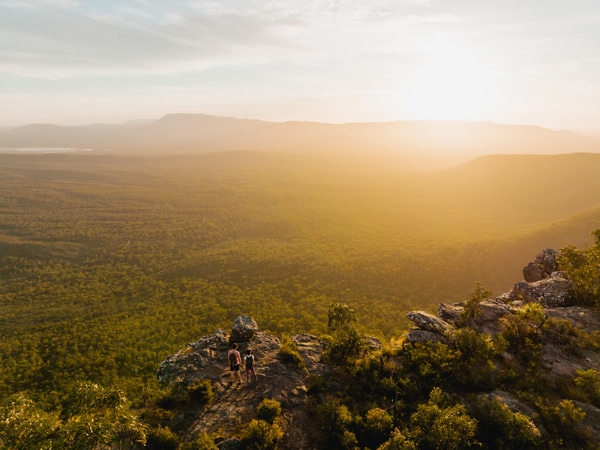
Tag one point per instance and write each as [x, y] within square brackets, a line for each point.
[249, 364]
[234, 363]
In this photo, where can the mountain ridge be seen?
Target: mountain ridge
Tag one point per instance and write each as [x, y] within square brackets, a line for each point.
[421, 145]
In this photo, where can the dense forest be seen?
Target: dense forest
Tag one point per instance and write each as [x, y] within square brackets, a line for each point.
[110, 263]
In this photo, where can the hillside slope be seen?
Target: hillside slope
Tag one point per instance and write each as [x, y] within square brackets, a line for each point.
[499, 395]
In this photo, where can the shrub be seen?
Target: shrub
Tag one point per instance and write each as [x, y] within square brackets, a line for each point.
[315, 384]
[583, 268]
[472, 308]
[565, 333]
[336, 420]
[162, 438]
[474, 368]
[346, 349]
[589, 382]
[347, 344]
[168, 400]
[429, 363]
[261, 435]
[268, 410]
[202, 442]
[288, 352]
[433, 426]
[94, 416]
[349, 441]
[564, 423]
[500, 427]
[340, 317]
[378, 424]
[398, 441]
[25, 426]
[86, 397]
[201, 391]
[521, 335]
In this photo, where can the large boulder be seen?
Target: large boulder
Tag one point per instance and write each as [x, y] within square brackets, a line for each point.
[533, 272]
[429, 322]
[488, 319]
[542, 267]
[451, 313]
[372, 343]
[550, 292]
[418, 335]
[243, 330]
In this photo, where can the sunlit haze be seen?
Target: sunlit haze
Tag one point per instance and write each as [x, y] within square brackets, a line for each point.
[72, 62]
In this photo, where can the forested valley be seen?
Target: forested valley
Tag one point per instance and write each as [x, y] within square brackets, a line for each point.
[108, 263]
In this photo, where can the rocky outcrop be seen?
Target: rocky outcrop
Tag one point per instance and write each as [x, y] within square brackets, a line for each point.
[418, 335]
[451, 313]
[553, 292]
[311, 349]
[195, 360]
[286, 382]
[543, 266]
[243, 330]
[487, 320]
[543, 284]
[372, 343]
[235, 405]
[429, 322]
[207, 357]
[490, 312]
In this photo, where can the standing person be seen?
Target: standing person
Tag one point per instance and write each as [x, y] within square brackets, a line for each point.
[249, 363]
[234, 363]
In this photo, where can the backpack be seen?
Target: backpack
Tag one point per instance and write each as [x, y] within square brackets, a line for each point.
[249, 360]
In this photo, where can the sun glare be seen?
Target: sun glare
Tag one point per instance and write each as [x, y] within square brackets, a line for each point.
[450, 89]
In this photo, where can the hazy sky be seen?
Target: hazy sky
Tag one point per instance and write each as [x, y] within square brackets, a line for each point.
[71, 62]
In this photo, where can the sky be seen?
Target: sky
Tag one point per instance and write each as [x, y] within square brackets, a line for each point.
[73, 62]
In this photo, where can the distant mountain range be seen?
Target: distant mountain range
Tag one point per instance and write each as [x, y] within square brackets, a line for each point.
[415, 144]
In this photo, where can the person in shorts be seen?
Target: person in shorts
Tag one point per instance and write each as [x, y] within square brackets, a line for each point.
[234, 358]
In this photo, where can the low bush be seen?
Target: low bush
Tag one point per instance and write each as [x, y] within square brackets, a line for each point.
[268, 410]
[589, 382]
[336, 421]
[435, 425]
[315, 384]
[201, 391]
[202, 442]
[564, 422]
[474, 368]
[162, 438]
[261, 435]
[500, 427]
[377, 426]
[398, 441]
[288, 352]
